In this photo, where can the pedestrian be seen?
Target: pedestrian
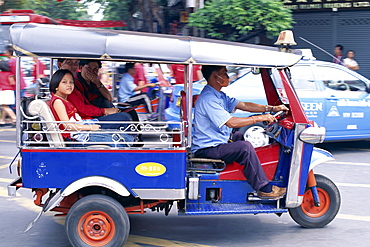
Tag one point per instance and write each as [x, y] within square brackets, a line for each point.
[178, 73]
[7, 98]
[338, 56]
[38, 69]
[349, 62]
[139, 76]
[12, 63]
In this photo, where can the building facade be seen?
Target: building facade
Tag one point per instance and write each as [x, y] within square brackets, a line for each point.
[327, 23]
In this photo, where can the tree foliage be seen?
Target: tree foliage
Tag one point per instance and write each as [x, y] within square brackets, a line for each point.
[138, 14]
[121, 10]
[66, 9]
[11, 4]
[232, 19]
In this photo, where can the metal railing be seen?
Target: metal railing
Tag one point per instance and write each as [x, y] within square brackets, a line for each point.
[36, 133]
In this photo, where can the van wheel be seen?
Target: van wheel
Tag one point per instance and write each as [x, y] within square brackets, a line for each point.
[308, 215]
[255, 134]
[97, 220]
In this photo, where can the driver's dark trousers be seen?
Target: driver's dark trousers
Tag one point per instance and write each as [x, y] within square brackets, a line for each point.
[243, 153]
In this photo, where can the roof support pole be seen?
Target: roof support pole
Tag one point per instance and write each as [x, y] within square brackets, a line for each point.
[18, 101]
[189, 100]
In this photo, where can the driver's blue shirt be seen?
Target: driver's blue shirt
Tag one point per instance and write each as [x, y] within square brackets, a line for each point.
[212, 111]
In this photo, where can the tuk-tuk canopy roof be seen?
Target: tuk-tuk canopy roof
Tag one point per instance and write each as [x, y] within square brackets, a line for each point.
[75, 42]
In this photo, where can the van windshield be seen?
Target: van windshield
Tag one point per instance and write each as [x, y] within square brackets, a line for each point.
[246, 85]
[276, 79]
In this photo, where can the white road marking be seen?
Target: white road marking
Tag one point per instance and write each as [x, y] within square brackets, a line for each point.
[3, 130]
[353, 185]
[352, 217]
[6, 180]
[4, 166]
[137, 241]
[348, 163]
[20, 200]
[6, 157]
[8, 141]
[134, 240]
[7, 165]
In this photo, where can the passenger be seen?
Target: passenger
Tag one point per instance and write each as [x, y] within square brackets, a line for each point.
[85, 108]
[61, 86]
[88, 83]
[127, 92]
[213, 124]
[70, 64]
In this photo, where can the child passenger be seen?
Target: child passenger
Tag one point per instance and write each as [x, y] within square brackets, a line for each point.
[61, 85]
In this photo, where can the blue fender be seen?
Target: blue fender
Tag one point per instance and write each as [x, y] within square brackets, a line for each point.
[319, 156]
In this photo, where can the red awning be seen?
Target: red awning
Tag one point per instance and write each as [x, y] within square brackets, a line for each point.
[96, 24]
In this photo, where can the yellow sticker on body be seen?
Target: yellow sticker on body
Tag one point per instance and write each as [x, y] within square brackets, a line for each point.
[150, 169]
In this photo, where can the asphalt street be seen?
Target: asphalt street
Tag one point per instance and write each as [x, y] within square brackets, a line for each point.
[350, 171]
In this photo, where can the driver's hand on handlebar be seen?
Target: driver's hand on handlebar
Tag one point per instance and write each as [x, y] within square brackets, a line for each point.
[280, 108]
[266, 118]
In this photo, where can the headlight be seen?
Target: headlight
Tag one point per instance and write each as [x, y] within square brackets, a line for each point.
[313, 135]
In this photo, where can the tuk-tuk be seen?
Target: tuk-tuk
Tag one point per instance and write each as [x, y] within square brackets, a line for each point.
[97, 185]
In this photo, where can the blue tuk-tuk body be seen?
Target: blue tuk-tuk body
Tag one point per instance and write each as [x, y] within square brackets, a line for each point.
[97, 184]
[58, 168]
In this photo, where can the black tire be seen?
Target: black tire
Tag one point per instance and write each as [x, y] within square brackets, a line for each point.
[97, 220]
[257, 127]
[309, 216]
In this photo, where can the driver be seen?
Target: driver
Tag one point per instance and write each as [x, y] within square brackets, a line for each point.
[213, 124]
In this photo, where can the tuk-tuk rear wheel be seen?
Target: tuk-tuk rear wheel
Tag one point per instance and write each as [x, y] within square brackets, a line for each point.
[96, 227]
[97, 220]
[310, 216]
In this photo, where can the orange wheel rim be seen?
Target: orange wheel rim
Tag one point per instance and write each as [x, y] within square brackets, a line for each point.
[96, 228]
[308, 205]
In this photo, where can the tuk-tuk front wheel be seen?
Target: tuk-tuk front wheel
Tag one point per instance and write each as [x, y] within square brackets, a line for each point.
[97, 220]
[310, 216]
